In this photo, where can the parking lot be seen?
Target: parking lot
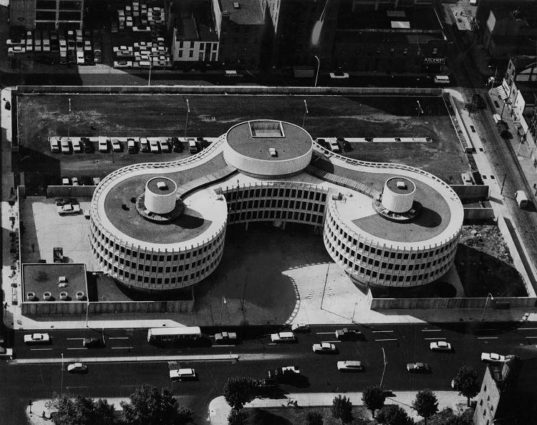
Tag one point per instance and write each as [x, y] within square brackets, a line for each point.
[161, 115]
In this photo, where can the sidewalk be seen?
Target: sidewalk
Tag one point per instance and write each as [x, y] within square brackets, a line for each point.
[219, 409]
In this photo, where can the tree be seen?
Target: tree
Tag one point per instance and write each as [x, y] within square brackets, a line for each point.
[83, 411]
[342, 409]
[466, 383]
[426, 404]
[237, 417]
[393, 415]
[238, 391]
[373, 398]
[314, 418]
[447, 417]
[149, 406]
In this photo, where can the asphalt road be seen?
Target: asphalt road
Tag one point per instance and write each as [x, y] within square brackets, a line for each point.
[401, 344]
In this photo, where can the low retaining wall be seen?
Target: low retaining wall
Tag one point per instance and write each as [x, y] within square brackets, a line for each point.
[114, 307]
[410, 91]
[55, 191]
[478, 214]
[451, 303]
[471, 192]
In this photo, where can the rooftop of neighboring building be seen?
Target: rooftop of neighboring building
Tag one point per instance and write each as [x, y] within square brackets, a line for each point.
[54, 278]
[521, 62]
[354, 16]
[195, 21]
[243, 12]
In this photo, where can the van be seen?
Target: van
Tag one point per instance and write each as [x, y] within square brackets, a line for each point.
[521, 199]
[192, 146]
[441, 79]
[497, 119]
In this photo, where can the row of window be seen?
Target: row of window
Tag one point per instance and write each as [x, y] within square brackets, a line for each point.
[296, 216]
[110, 244]
[276, 203]
[275, 192]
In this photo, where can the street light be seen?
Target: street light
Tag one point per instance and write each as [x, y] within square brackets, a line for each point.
[318, 68]
[69, 119]
[489, 295]
[384, 368]
[306, 112]
[150, 67]
[419, 108]
[186, 118]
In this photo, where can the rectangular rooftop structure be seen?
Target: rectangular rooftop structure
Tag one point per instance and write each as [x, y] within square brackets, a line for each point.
[266, 129]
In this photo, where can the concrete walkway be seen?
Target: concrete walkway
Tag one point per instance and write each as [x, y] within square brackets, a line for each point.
[219, 409]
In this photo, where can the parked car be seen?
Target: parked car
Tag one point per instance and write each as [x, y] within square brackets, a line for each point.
[286, 373]
[103, 145]
[350, 366]
[418, 367]
[177, 145]
[77, 368]
[37, 338]
[496, 358]
[334, 146]
[164, 146]
[132, 146]
[144, 144]
[116, 145]
[88, 146]
[183, 374]
[153, 146]
[440, 346]
[225, 338]
[324, 347]
[283, 337]
[65, 145]
[77, 146]
[323, 143]
[93, 342]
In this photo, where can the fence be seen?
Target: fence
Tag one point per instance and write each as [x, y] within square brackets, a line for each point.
[478, 214]
[451, 303]
[471, 192]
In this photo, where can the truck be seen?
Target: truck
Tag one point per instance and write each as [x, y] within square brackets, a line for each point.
[521, 199]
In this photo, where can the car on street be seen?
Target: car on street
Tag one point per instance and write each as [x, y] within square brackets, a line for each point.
[77, 368]
[418, 367]
[284, 373]
[183, 374]
[496, 358]
[300, 327]
[225, 338]
[347, 334]
[350, 366]
[324, 347]
[37, 338]
[92, 342]
[440, 346]
[282, 337]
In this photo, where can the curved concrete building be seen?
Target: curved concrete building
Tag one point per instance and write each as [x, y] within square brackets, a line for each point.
[161, 226]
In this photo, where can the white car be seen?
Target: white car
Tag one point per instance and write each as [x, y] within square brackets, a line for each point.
[440, 346]
[37, 338]
[116, 146]
[324, 347]
[153, 146]
[77, 146]
[77, 368]
[122, 64]
[65, 145]
[495, 357]
[183, 374]
[350, 366]
[283, 337]
[339, 75]
[103, 145]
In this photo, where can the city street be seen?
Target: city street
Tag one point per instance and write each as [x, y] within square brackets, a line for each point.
[400, 344]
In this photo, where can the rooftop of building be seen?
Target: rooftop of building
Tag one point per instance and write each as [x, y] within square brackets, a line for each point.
[353, 16]
[243, 12]
[40, 278]
[161, 185]
[254, 139]
[194, 21]
[401, 185]
[522, 62]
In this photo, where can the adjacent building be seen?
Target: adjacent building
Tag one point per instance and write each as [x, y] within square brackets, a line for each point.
[51, 14]
[195, 39]
[158, 227]
[379, 38]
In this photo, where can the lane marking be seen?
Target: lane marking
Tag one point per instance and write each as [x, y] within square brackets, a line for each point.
[325, 333]
[386, 339]
[40, 349]
[118, 337]
[527, 329]
[434, 339]
[376, 332]
[487, 337]
[77, 348]
[332, 342]
[121, 348]
[431, 330]
[489, 329]
[74, 339]
[223, 346]
[531, 337]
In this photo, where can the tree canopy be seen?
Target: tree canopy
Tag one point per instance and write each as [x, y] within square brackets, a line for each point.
[425, 404]
[342, 409]
[466, 382]
[393, 415]
[314, 418]
[83, 411]
[149, 406]
[374, 398]
[239, 390]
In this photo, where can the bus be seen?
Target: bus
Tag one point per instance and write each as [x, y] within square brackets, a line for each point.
[182, 334]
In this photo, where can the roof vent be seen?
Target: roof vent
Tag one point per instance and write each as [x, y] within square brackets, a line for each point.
[236, 5]
[47, 296]
[64, 296]
[30, 296]
[80, 295]
[273, 152]
[162, 186]
[401, 184]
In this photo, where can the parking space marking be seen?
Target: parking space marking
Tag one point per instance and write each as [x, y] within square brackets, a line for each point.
[121, 348]
[40, 349]
[118, 337]
[325, 333]
[487, 337]
[381, 331]
[76, 348]
[531, 337]
[74, 339]
[223, 346]
[386, 339]
[431, 330]
[527, 329]
[434, 339]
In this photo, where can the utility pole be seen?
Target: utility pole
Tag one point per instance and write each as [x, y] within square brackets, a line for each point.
[61, 379]
[186, 118]
[318, 68]
[306, 112]
[384, 368]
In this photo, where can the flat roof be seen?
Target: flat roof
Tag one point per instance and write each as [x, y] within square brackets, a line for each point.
[401, 185]
[43, 277]
[249, 139]
[249, 12]
[161, 185]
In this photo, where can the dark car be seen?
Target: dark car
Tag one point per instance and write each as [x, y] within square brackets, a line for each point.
[93, 342]
[88, 146]
[266, 385]
[177, 145]
[323, 143]
[478, 101]
[347, 147]
[347, 334]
